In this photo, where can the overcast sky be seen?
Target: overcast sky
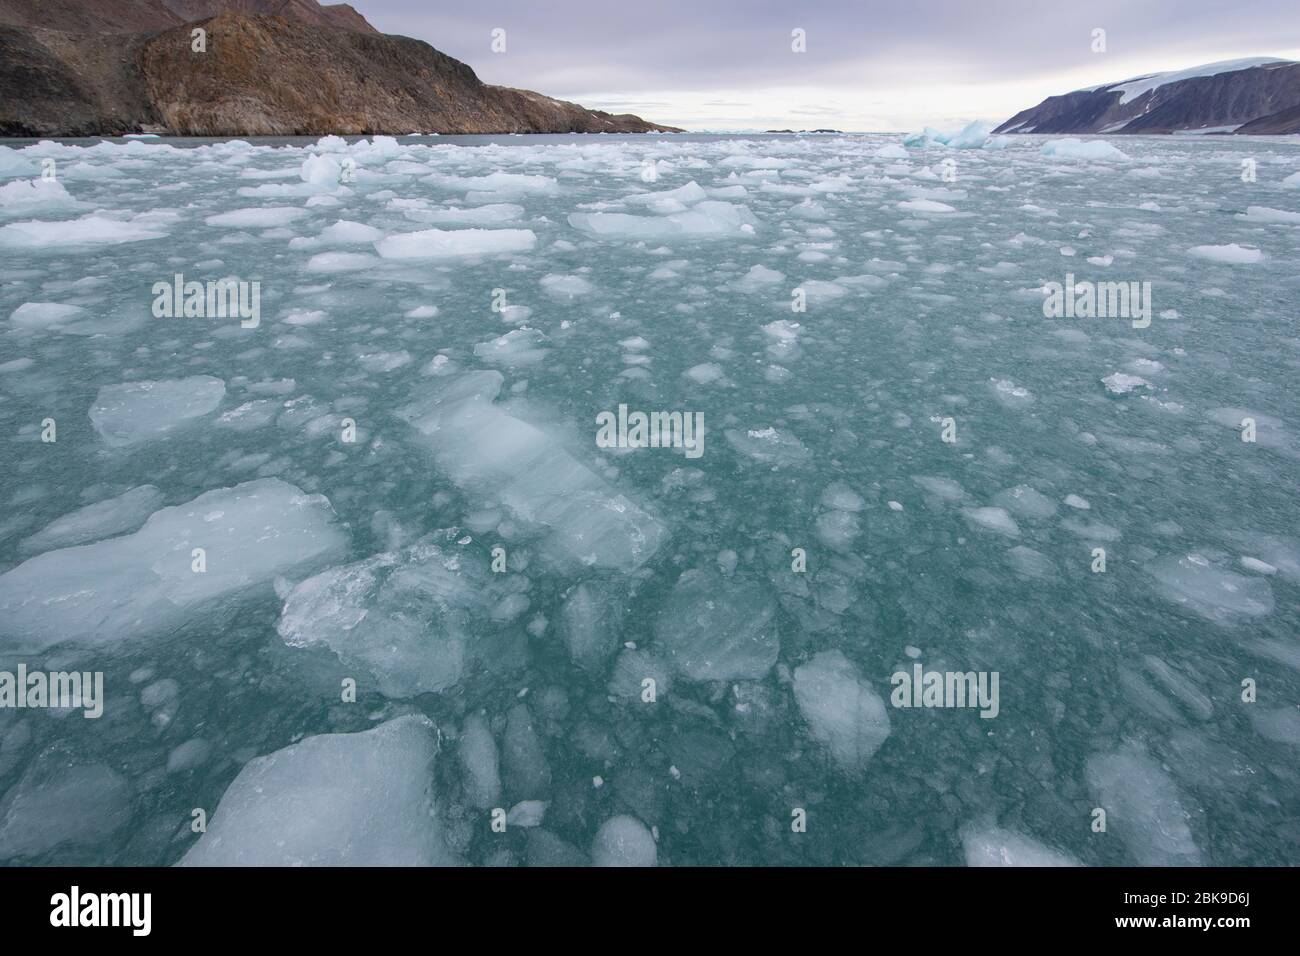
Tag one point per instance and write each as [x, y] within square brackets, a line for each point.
[728, 64]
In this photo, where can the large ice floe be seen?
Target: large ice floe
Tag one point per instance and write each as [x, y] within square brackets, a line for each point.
[145, 584]
[505, 461]
[362, 799]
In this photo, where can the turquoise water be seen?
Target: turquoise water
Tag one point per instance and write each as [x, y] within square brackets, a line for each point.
[824, 434]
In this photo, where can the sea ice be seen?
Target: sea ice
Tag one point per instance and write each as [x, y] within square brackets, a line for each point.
[408, 618]
[715, 628]
[362, 799]
[623, 841]
[104, 519]
[136, 412]
[144, 585]
[987, 845]
[843, 712]
[1143, 807]
[506, 461]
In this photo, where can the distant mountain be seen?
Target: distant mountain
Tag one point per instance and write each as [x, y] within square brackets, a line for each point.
[272, 67]
[1260, 95]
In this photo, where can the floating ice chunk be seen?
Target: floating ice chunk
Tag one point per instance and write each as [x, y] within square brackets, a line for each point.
[987, 845]
[257, 217]
[74, 233]
[61, 803]
[341, 262]
[927, 137]
[840, 497]
[716, 628]
[974, 135]
[757, 278]
[945, 489]
[1192, 581]
[480, 763]
[320, 170]
[623, 841]
[890, 151]
[519, 347]
[1074, 148]
[1257, 214]
[27, 196]
[768, 446]
[189, 755]
[1026, 502]
[925, 205]
[456, 243]
[1281, 724]
[1256, 565]
[1142, 806]
[345, 232]
[136, 412]
[1231, 253]
[1292, 181]
[566, 287]
[506, 461]
[1010, 394]
[1121, 383]
[46, 315]
[1032, 564]
[691, 192]
[589, 620]
[496, 183]
[490, 214]
[633, 671]
[783, 339]
[837, 529]
[14, 163]
[144, 584]
[707, 373]
[527, 813]
[843, 712]
[406, 617]
[709, 219]
[1074, 501]
[527, 773]
[1180, 686]
[362, 799]
[381, 362]
[104, 519]
[992, 519]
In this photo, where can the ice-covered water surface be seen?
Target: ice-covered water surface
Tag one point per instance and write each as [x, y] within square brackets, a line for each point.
[381, 466]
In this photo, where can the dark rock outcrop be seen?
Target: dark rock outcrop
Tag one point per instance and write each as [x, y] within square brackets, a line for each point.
[1243, 97]
[271, 67]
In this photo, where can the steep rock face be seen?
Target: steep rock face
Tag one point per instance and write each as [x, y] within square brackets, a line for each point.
[89, 16]
[63, 84]
[339, 15]
[107, 67]
[1227, 97]
[268, 76]
[139, 16]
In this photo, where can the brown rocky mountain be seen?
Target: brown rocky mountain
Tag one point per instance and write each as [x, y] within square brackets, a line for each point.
[1242, 96]
[306, 11]
[272, 67]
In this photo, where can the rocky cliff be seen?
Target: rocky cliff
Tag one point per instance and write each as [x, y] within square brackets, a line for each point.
[1244, 96]
[271, 67]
